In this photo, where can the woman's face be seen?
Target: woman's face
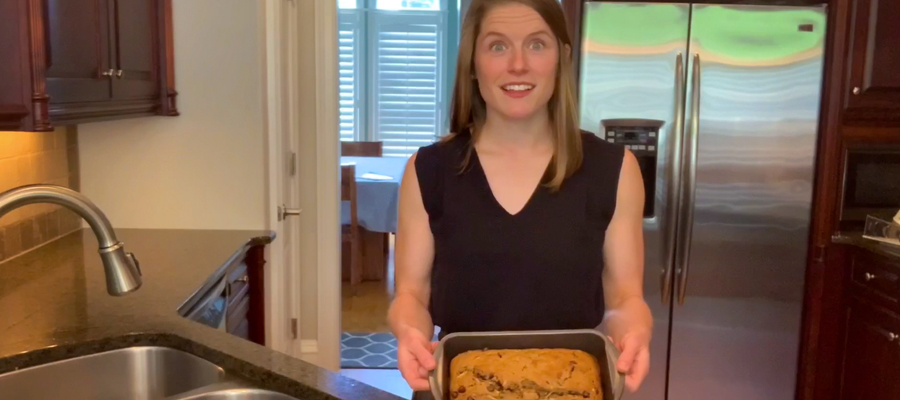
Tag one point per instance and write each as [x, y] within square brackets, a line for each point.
[516, 55]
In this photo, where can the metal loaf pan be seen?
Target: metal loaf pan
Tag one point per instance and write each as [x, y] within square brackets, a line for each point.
[591, 341]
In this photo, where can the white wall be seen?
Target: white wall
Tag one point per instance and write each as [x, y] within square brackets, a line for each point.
[206, 168]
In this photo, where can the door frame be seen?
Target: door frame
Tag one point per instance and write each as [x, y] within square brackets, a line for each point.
[328, 188]
[321, 212]
[278, 294]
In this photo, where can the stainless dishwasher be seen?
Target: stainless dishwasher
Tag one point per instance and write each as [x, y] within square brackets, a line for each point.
[209, 310]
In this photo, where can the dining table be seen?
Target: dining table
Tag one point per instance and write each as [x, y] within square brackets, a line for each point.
[377, 206]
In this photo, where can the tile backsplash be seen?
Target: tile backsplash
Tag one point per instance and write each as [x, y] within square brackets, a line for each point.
[37, 157]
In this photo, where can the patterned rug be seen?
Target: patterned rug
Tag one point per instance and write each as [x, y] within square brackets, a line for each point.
[369, 350]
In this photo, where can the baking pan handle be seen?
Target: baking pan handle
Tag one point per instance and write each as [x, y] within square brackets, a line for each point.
[436, 391]
[618, 384]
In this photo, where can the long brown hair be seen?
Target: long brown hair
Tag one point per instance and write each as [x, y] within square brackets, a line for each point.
[468, 110]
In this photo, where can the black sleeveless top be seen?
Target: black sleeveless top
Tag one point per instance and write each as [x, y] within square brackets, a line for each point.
[537, 269]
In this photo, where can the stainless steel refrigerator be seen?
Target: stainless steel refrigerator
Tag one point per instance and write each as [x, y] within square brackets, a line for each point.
[720, 103]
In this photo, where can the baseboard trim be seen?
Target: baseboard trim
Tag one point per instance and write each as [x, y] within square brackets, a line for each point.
[309, 346]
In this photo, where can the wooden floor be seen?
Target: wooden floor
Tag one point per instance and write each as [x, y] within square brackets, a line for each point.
[367, 311]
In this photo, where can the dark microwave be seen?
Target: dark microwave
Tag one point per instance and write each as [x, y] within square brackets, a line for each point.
[871, 184]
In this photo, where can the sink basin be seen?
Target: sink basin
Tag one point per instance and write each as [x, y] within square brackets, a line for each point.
[139, 373]
[237, 394]
[133, 373]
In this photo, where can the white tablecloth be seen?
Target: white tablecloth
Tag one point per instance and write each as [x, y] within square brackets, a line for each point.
[377, 192]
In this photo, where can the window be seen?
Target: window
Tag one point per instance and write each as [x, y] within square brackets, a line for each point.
[394, 64]
[433, 5]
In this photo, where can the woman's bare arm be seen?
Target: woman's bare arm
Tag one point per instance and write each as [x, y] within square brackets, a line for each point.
[413, 257]
[628, 318]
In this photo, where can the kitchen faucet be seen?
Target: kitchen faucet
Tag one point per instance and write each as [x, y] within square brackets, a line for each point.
[123, 273]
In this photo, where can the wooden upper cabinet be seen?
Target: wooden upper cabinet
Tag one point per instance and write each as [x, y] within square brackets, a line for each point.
[74, 61]
[136, 67]
[15, 65]
[75, 64]
[873, 62]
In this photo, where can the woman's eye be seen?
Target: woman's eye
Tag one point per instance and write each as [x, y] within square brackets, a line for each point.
[537, 45]
[498, 47]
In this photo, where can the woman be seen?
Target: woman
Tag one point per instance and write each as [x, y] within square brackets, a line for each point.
[518, 220]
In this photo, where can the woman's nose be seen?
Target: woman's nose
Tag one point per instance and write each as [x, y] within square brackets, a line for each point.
[518, 64]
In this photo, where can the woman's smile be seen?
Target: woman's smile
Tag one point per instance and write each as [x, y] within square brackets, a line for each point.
[517, 90]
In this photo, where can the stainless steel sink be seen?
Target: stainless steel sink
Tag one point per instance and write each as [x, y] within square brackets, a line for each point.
[236, 394]
[138, 373]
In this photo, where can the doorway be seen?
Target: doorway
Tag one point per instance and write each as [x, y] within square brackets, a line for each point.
[396, 65]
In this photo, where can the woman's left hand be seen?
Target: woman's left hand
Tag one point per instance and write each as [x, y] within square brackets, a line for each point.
[634, 360]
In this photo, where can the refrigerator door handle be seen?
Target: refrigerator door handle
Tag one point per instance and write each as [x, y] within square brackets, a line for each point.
[672, 182]
[690, 177]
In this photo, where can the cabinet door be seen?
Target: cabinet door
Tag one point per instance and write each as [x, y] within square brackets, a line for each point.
[875, 58]
[77, 50]
[136, 53]
[871, 368]
[15, 68]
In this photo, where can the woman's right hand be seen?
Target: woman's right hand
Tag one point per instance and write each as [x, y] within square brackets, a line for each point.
[415, 358]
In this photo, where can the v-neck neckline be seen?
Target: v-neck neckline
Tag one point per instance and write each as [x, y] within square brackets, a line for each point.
[490, 191]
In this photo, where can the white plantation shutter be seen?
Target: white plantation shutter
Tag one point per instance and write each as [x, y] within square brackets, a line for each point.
[350, 70]
[405, 75]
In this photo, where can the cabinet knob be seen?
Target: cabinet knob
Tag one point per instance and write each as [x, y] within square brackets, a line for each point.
[856, 90]
[890, 336]
[869, 276]
[108, 73]
[119, 74]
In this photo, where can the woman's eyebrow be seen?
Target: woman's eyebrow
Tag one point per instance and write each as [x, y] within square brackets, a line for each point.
[492, 33]
[540, 32]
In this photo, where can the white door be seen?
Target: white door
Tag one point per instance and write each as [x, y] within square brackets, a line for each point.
[301, 106]
[283, 278]
[291, 180]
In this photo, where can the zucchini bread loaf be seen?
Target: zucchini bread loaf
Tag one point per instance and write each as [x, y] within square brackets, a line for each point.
[558, 374]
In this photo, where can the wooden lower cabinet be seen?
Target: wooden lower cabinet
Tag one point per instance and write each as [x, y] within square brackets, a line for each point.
[245, 294]
[871, 353]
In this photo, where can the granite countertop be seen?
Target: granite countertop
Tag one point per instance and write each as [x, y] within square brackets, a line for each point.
[855, 238]
[54, 305]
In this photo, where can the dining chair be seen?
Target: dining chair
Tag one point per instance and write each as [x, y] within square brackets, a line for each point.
[362, 149]
[350, 228]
